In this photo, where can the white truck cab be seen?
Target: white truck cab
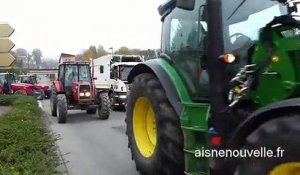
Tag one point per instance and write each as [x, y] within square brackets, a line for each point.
[111, 72]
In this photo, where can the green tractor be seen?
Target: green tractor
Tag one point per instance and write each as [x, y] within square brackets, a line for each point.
[228, 78]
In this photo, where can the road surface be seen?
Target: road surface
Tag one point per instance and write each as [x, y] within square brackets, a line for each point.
[95, 147]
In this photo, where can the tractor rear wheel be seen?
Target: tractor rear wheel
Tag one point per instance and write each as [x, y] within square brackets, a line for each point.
[41, 95]
[91, 111]
[104, 106]
[280, 135]
[62, 108]
[153, 129]
[53, 103]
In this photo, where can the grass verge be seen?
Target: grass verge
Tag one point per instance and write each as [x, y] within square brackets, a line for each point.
[26, 146]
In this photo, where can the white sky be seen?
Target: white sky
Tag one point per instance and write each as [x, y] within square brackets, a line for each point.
[70, 26]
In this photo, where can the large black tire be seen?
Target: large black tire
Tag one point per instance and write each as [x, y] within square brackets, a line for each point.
[104, 106]
[41, 95]
[168, 156]
[53, 103]
[91, 111]
[282, 132]
[62, 108]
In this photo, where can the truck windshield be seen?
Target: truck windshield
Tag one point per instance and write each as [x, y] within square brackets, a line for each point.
[243, 19]
[124, 72]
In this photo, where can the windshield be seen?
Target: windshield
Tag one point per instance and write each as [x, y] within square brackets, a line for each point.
[131, 59]
[75, 73]
[2, 80]
[124, 72]
[115, 59]
[84, 73]
[243, 19]
[28, 79]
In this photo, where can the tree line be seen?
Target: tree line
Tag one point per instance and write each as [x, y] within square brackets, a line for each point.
[95, 52]
[35, 60]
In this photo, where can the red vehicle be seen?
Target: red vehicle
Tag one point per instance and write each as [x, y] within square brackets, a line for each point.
[42, 88]
[8, 85]
[75, 89]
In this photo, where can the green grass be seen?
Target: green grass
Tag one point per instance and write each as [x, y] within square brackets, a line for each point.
[26, 146]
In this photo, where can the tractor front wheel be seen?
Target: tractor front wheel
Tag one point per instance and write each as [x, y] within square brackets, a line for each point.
[279, 136]
[62, 108]
[41, 95]
[104, 106]
[53, 103]
[153, 129]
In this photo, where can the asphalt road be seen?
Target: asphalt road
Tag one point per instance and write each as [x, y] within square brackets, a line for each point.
[95, 147]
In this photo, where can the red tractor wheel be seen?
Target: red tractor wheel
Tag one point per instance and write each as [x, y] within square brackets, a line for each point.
[41, 95]
[103, 109]
[62, 108]
[53, 103]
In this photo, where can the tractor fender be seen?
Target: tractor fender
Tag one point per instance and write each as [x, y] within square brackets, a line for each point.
[164, 79]
[259, 117]
[58, 86]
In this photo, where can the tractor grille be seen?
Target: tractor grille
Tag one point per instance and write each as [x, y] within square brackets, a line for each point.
[84, 89]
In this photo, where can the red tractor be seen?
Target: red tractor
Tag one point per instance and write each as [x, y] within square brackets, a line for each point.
[42, 88]
[75, 89]
[8, 85]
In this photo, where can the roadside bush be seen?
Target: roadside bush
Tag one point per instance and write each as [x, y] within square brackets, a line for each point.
[26, 146]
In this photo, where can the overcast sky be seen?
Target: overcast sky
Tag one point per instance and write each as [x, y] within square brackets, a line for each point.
[70, 26]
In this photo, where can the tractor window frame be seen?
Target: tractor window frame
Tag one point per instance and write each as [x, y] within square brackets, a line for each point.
[189, 54]
[61, 73]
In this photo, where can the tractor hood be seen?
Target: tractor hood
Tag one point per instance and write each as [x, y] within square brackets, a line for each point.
[41, 85]
[22, 84]
[77, 83]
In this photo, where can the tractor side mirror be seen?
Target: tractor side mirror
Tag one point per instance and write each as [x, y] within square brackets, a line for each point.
[185, 4]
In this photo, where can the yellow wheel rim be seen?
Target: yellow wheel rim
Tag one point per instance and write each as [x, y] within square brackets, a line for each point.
[144, 126]
[291, 168]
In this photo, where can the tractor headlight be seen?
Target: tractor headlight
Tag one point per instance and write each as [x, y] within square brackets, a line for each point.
[81, 94]
[87, 94]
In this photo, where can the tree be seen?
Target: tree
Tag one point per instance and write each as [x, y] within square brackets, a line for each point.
[93, 51]
[135, 51]
[21, 52]
[22, 57]
[37, 56]
[123, 51]
[101, 51]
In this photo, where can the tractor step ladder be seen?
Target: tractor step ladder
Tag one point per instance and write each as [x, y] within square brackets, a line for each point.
[194, 125]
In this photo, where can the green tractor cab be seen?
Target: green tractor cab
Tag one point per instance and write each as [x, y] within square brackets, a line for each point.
[227, 79]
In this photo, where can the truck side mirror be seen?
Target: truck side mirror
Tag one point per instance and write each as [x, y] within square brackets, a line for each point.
[185, 4]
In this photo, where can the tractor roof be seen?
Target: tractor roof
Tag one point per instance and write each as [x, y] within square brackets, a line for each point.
[125, 64]
[75, 63]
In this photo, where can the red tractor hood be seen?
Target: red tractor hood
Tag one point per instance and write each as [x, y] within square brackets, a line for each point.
[41, 85]
[21, 84]
[80, 83]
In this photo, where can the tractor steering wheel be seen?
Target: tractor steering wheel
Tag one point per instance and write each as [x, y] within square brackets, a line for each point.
[239, 40]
